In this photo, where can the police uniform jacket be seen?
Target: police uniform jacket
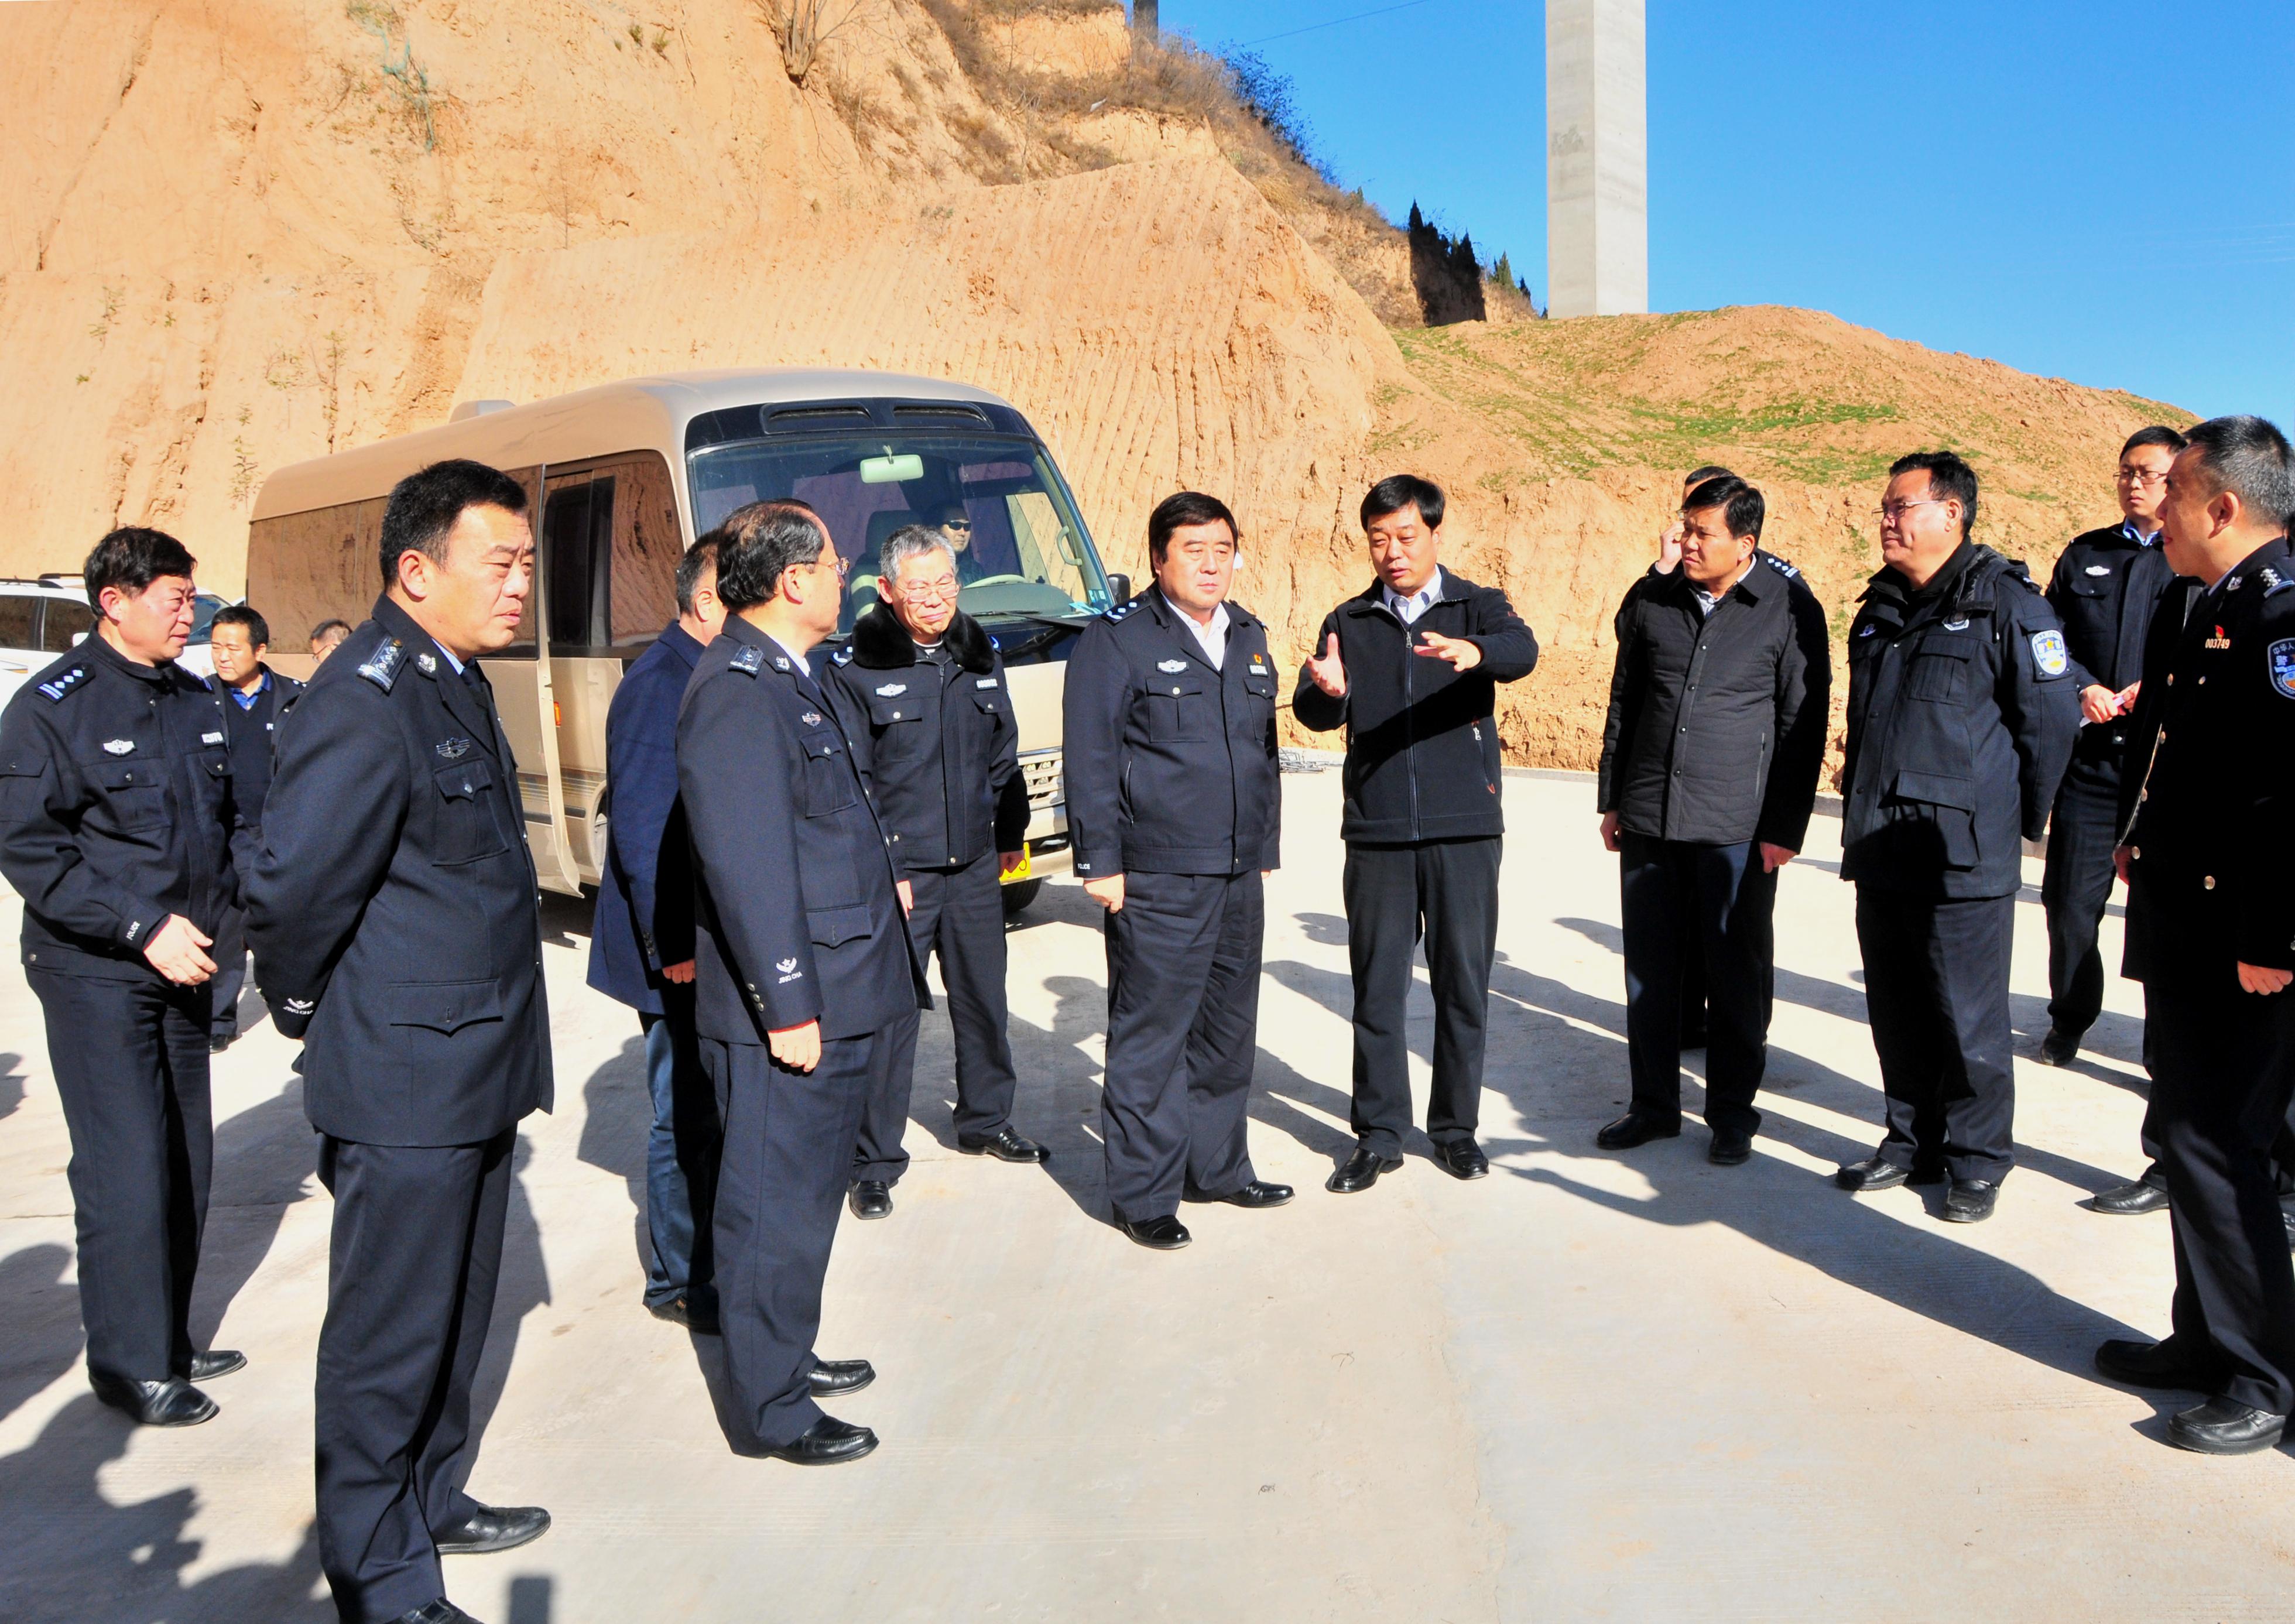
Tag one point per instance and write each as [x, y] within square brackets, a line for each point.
[393, 912]
[2209, 884]
[1717, 720]
[253, 733]
[796, 915]
[117, 809]
[936, 740]
[1170, 762]
[645, 895]
[2104, 590]
[1423, 760]
[1961, 710]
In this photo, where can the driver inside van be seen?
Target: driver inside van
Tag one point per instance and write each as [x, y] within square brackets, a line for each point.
[956, 529]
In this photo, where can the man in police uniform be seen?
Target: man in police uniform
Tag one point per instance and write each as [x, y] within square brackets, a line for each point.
[920, 690]
[1175, 807]
[249, 694]
[117, 818]
[2106, 585]
[1961, 716]
[2211, 935]
[393, 913]
[802, 964]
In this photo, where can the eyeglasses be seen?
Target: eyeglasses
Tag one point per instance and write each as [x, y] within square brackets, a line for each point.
[1898, 509]
[833, 562]
[956, 524]
[925, 591]
[2142, 477]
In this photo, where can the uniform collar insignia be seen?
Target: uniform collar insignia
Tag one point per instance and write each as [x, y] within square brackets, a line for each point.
[119, 746]
[426, 664]
[2234, 584]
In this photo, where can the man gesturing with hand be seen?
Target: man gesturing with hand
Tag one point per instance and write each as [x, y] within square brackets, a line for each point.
[1410, 669]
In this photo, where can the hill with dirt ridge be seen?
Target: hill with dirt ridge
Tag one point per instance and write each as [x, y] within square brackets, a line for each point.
[243, 236]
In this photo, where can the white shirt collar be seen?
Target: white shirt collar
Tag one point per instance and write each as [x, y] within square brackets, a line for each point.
[453, 663]
[797, 654]
[1211, 634]
[1409, 609]
[2128, 529]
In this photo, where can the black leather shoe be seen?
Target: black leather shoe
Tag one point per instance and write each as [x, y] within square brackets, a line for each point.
[2288, 1219]
[1361, 1170]
[2144, 1195]
[218, 1044]
[826, 1442]
[214, 1362]
[1256, 1194]
[1004, 1145]
[1158, 1234]
[871, 1198]
[174, 1402]
[2141, 1364]
[1730, 1147]
[2222, 1426]
[831, 1377]
[1971, 1201]
[1873, 1173]
[1462, 1159]
[440, 1611]
[2058, 1047]
[682, 1310]
[493, 1528]
[1637, 1128]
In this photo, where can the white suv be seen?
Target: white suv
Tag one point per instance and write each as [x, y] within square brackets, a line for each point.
[43, 618]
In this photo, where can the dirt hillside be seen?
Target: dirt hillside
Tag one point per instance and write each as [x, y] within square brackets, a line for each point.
[241, 236]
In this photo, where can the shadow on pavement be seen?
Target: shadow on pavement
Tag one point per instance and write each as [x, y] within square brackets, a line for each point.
[616, 1124]
[12, 1083]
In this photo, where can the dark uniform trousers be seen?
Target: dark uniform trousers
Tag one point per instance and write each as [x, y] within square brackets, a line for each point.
[1936, 996]
[131, 1065]
[778, 1190]
[1446, 892]
[2223, 1076]
[1709, 906]
[394, 1372]
[1174, 1112]
[2076, 889]
[230, 979]
[683, 1146]
[960, 913]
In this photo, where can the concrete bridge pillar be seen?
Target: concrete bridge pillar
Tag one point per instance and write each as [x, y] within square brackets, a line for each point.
[1597, 158]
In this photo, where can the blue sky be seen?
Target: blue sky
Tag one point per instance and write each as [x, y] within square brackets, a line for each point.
[2090, 188]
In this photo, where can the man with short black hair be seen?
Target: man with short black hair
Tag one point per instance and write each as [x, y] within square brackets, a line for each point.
[2211, 936]
[801, 963]
[326, 637]
[1175, 806]
[250, 697]
[1961, 716]
[1720, 665]
[117, 819]
[2104, 590]
[641, 943]
[1410, 668]
[394, 917]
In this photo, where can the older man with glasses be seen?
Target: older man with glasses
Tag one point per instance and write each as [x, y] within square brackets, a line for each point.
[923, 695]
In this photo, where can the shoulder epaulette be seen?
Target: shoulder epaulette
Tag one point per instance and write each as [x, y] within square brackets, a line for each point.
[842, 657]
[2273, 583]
[1788, 571]
[1122, 610]
[382, 666]
[57, 686]
[749, 660]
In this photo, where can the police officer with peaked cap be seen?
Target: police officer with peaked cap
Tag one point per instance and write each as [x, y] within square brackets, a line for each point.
[1175, 807]
[802, 964]
[922, 694]
[1960, 715]
[2211, 936]
[394, 917]
[117, 827]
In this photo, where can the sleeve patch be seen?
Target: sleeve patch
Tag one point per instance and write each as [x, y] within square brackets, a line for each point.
[2282, 667]
[2048, 653]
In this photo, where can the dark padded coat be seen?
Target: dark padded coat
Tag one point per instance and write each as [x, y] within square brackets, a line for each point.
[644, 917]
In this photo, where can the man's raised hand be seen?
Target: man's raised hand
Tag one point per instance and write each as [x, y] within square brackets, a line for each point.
[1329, 672]
[1463, 653]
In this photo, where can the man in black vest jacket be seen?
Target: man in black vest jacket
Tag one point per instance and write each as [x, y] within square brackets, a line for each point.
[249, 696]
[802, 964]
[394, 917]
[119, 827]
[1961, 716]
[1176, 807]
[1410, 668]
[2106, 587]
[2211, 936]
[922, 694]
[1722, 666]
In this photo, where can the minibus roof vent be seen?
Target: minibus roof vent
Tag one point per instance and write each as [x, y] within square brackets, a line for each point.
[943, 408]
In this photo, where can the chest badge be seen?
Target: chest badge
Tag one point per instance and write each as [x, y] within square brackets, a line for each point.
[119, 746]
[2048, 653]
[2219, 640]
[2282, 667]
[2099, 569]
[1867, 630]
[889, 689]
[983, 681]
[210, 738]
[1171, 667]
[810, 719]
[454, 749]
[1958, 624]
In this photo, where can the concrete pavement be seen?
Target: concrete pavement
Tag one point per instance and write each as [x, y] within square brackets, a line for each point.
[1629, 1387]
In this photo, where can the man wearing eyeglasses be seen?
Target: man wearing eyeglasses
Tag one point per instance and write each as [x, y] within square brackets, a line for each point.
[1962, 712]
[2104, 590]
[923, 695]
